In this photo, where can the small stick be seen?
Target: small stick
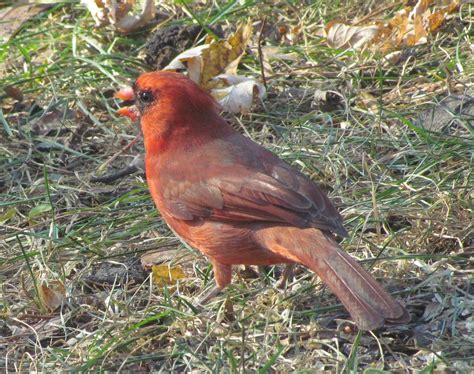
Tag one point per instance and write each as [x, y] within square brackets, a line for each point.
[260, 53]
[109, 178]
[129, 145]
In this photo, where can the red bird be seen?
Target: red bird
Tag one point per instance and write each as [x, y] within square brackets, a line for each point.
[237, 202]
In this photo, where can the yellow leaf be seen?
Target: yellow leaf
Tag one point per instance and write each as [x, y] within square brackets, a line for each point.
[207, 61]
[223, 56]
[166, 275]
[437, 18]
[419, 16]
[214, 66]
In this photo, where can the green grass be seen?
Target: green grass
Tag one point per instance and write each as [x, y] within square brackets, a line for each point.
[405, 192]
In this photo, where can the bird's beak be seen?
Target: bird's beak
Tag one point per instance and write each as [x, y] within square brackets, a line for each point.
[126, 94]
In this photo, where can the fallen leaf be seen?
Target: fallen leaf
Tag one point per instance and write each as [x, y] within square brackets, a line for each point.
[344, 36]
[52, 296]
[107, 12]
[52, 122]
[409, 27]
[223, 56]
[13, 17]
[437, 18]
[214, 67]
[289, 34]
[47, 327]
[327, 101]
[157, 257]
[417, 17]
[115, 13]
[131, 23]
[189, 60]
[271, 52]
[239, 95]
[14, 92]
[166, 275]
[207, 61]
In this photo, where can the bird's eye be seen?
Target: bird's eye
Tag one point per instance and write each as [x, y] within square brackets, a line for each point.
[146, 97]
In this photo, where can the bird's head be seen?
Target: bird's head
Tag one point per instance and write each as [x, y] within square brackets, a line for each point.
[162, 99]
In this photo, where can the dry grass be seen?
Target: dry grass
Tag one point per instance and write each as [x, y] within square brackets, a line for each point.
[405, 191]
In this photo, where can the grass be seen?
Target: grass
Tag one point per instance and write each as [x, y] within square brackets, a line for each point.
[405, 192]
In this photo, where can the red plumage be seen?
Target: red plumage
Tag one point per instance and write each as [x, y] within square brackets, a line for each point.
[237, 202]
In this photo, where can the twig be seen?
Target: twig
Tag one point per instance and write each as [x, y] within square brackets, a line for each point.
[128, 146]
[109, 178]
[260, 53]
[135, 165]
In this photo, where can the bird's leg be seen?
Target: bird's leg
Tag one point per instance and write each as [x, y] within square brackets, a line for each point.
[223, 277]
[287, 274]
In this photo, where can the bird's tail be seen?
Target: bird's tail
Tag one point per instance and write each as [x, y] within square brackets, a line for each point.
[368, 303]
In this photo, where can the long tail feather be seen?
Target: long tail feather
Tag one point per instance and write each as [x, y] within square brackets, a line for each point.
[367, 302]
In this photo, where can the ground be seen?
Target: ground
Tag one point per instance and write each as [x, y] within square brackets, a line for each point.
[391, 142]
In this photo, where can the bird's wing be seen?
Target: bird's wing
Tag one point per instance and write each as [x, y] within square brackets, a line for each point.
[274, 192]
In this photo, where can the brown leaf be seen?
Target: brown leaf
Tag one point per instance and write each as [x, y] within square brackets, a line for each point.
[207, 61]
[14, 93]
[419, 13]
[438, 17]
[157, 257]
[115, 12]
[223, 56]
[408, 27]
[12, 18]
[128, 23]
[214, 67]
[51, 297]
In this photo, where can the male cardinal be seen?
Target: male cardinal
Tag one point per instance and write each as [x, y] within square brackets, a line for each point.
[237, 202]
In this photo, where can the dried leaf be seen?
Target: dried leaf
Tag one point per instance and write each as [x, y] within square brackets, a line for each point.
[239, 96]
[343, 36]
[437, 18]
[14, 92]
[107, 12]
[409, 27]
[190, 60]
[52, 121]
[129, 23]
[209, 60]
[417, 17]
[166, 275]
[289, 34]
[115, 12]
[52, 297]
[214, 65]
[12, 18]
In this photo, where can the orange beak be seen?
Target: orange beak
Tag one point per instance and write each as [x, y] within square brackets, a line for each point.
[127, 94]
